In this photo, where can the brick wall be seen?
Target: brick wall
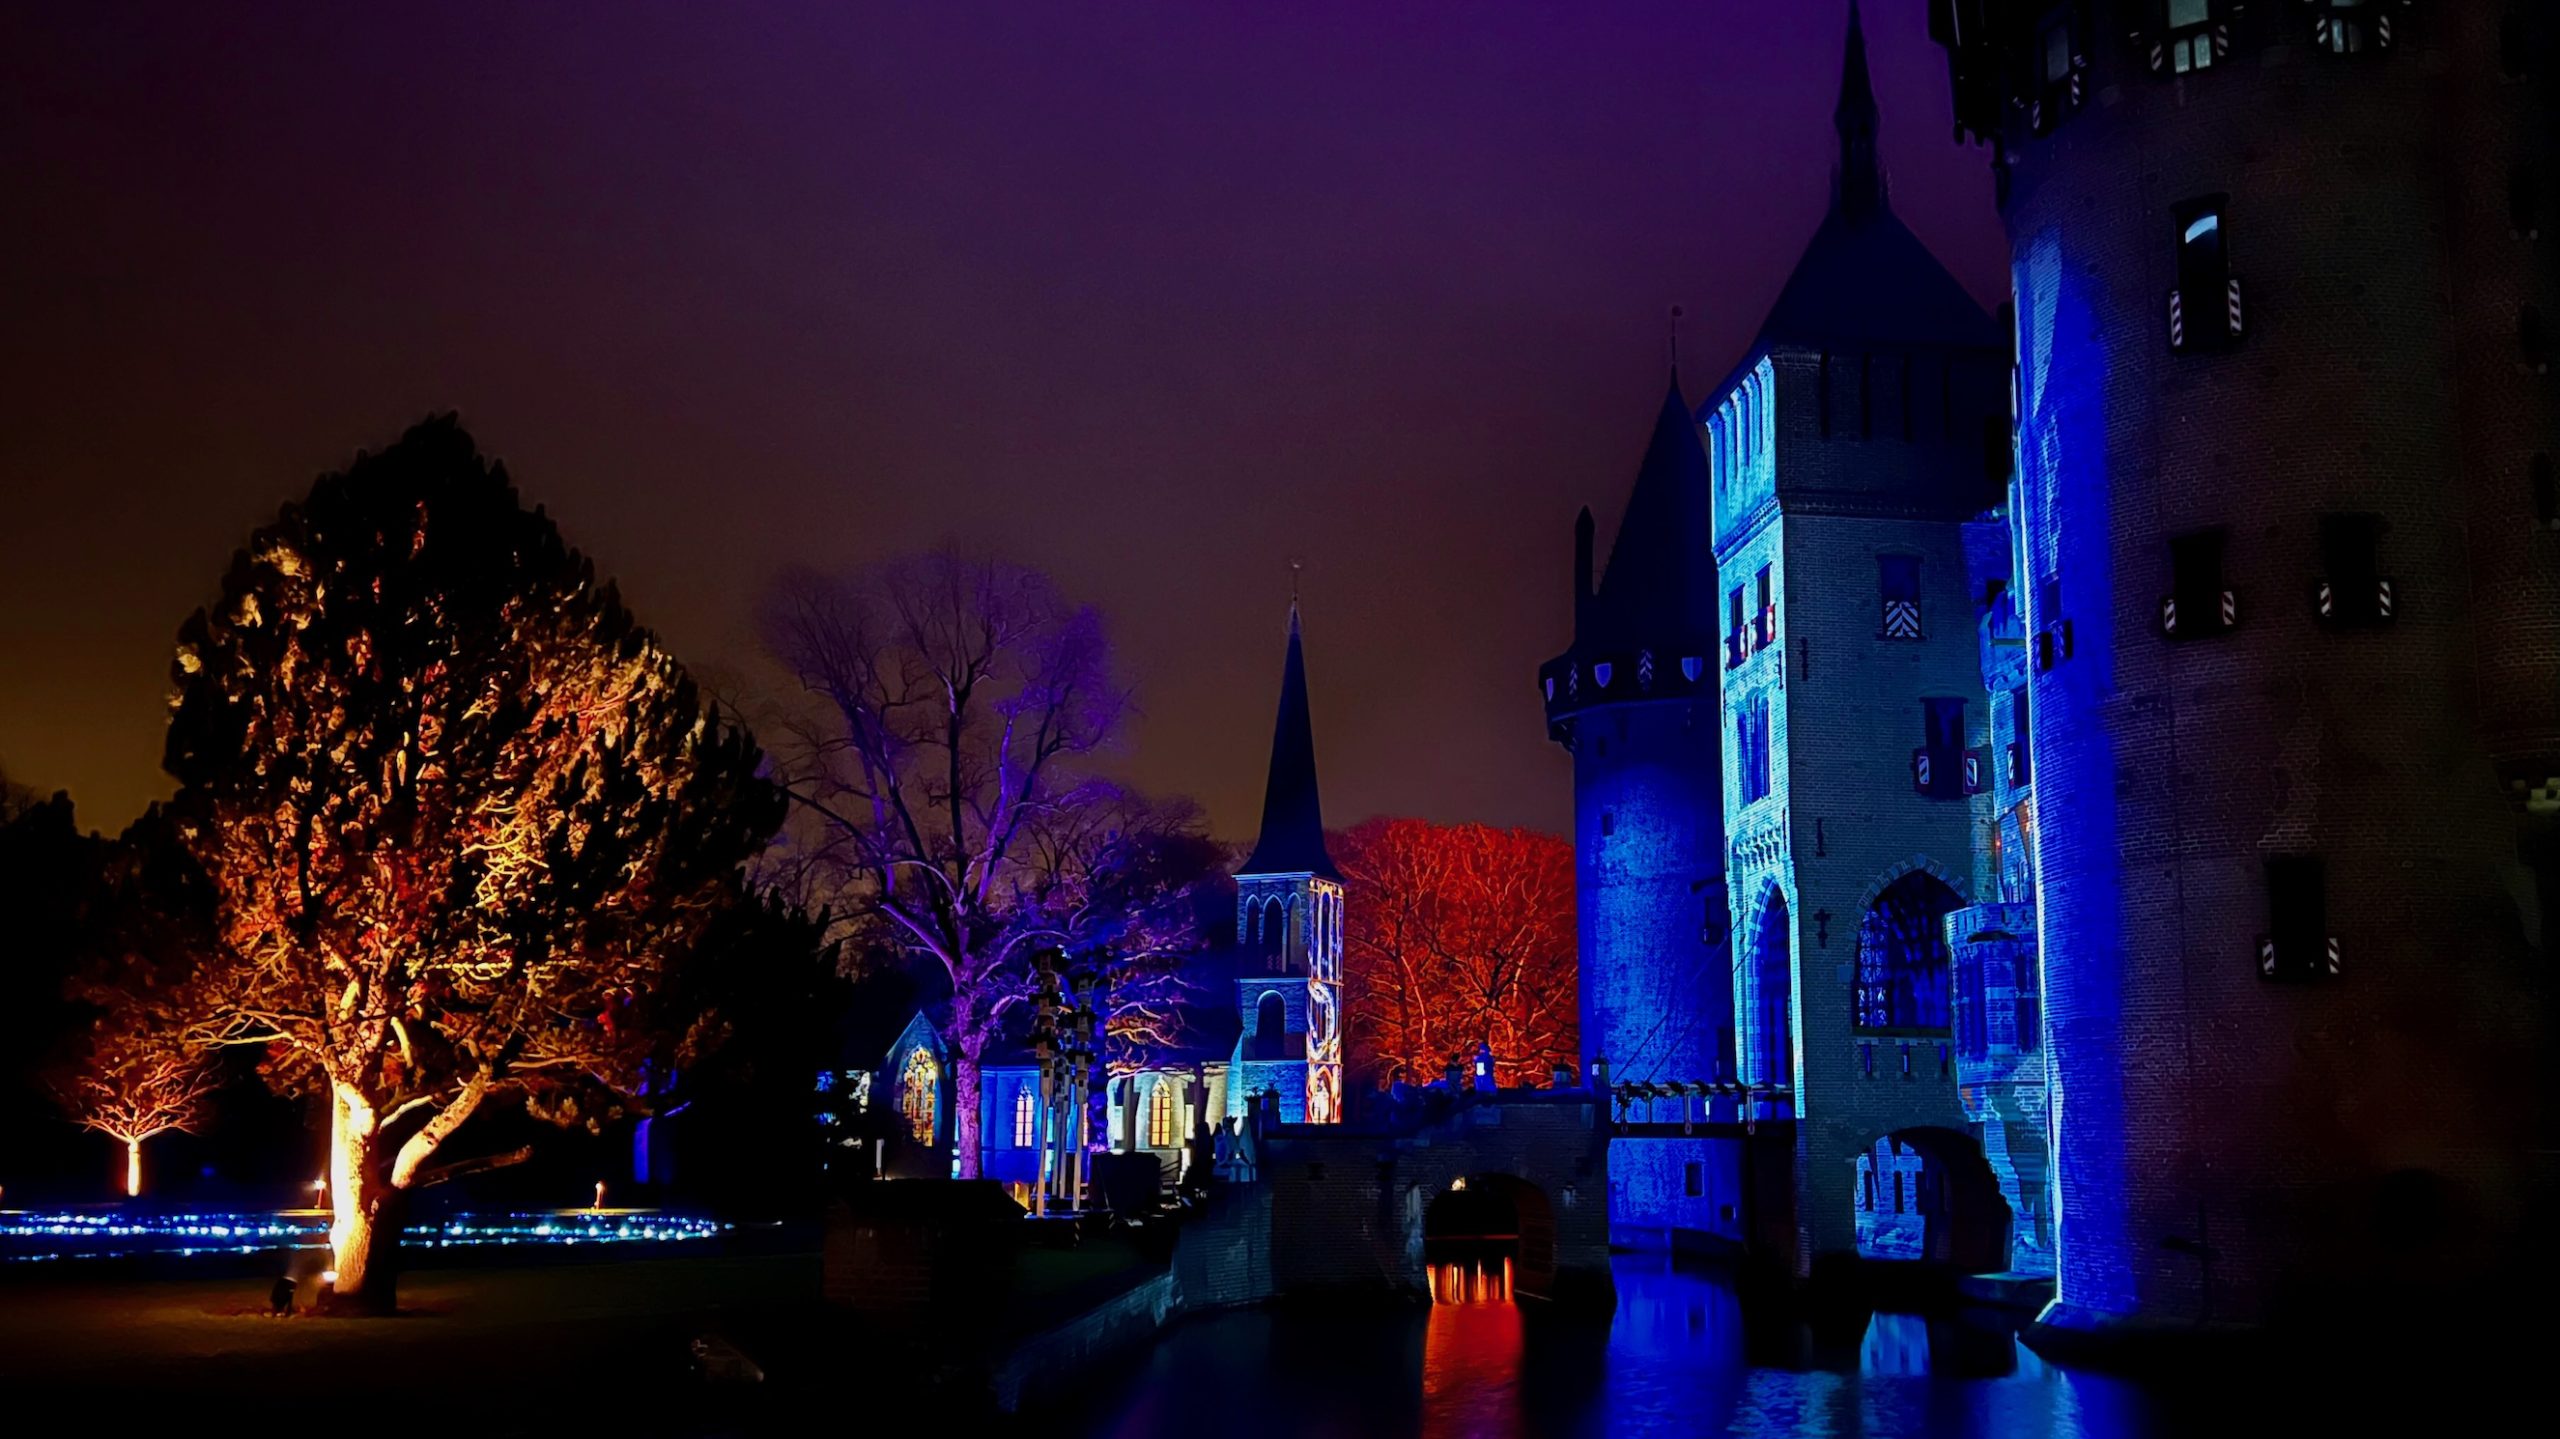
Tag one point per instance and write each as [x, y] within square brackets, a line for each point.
[2209, 1121]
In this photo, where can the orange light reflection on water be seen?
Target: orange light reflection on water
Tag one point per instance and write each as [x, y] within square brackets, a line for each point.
[1471, 1354]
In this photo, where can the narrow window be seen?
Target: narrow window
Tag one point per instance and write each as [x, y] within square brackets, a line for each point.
[1026, 1117]
[1764, 612]
[2533, 339]
[2204, 311]
[1898, 587]
[2197, 605]
[2515, 49]
[1751, 748]
[1736, 646]
[1608, 823]
[2021, 763]
[1160, 1115]
[2189, 23]
[2352, 590]
[1937, 766]
[1693, 1179]
[2524, 202]
[2546, 494]
[2297, 944]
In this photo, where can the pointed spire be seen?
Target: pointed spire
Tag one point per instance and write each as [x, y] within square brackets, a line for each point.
[1859, 188]
[1292, 839]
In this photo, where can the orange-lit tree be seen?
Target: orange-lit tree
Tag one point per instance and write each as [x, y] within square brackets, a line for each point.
[134, 1086]
[948, 810]
[1457, 935]
[463, 821]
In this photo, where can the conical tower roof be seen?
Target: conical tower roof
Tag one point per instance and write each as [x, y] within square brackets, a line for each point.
[1660, 571]
[1865, 279]
[1292, 839]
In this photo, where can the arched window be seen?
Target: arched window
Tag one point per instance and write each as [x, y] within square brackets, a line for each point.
[1902, 955]
[919, 1095]
[1270, 1025]
[1026, 1117]
[1160, 1131]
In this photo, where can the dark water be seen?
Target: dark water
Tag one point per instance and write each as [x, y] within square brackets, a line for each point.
[1679, 1358]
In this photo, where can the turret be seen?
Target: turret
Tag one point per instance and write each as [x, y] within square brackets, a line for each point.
[2289, 603]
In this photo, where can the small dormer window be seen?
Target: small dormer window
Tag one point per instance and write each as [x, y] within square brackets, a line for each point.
[2350, 27]
[2194, 41]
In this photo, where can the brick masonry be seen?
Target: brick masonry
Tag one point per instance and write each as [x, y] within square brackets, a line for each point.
[2228, 1147]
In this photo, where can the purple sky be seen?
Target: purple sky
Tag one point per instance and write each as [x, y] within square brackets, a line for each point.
[1157, 295]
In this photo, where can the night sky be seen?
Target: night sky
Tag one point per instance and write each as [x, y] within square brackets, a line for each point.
[1160, 296]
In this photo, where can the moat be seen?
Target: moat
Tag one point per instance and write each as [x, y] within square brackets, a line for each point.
[1681, 1356]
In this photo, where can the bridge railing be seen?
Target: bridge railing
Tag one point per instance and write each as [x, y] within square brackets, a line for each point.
[1689, 1092]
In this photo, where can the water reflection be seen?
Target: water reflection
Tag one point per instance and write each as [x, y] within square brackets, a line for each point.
[1680, 1357]
[1476, 1281]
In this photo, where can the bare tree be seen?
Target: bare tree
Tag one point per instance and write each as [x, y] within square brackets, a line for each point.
[945, 786]
[1459, 935]
[133, 1087]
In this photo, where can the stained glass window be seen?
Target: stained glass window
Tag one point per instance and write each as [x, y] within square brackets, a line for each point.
[1026, 1117]
[919, 1095]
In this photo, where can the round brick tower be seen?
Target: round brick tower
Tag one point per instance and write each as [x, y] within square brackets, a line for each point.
[2281, 273]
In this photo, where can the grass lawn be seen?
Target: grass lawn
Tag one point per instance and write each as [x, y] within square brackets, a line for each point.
[563, 1348]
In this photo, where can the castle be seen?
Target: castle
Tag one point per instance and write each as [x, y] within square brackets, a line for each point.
[2087, 773]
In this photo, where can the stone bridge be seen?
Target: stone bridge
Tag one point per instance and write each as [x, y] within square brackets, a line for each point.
[1522, 1171]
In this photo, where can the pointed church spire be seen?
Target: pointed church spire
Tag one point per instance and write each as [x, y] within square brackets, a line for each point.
[1292, 839]
[1859, 187]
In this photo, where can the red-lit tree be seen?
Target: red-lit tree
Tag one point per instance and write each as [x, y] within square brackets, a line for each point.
[948, 809]
[463, 821]
[1457, 935]
[134, 1086]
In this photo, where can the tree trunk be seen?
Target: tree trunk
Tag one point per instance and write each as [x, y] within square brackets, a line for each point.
[355, 1202]
[964, 1102]
[132, 1168]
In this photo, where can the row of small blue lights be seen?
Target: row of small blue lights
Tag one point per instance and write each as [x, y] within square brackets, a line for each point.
[28, 1237]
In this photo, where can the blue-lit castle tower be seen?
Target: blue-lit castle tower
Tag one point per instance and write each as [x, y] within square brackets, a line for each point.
[1634, 700]
[1861, 431]
[2284, 505]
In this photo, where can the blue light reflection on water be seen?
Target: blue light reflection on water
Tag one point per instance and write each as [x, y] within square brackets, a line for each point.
[36, 1237]
[1680, 1357]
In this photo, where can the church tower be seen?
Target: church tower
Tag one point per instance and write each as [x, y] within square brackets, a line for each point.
[1289, 902]
[2284, 504]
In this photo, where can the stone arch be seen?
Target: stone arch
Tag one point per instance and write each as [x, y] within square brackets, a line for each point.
[1904, 973]
[1491, 1223]
[1915, 864]
[1767, 1007]
[1926, 1194]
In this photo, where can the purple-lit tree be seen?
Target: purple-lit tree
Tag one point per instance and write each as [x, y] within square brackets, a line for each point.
[949, 811]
